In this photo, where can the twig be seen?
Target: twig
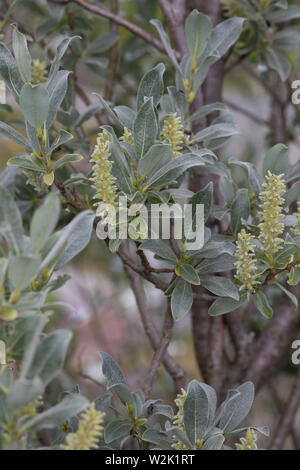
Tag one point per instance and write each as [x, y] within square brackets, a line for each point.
[172, 367]
[118, 20]
[287, 419]
[247, 113]
[114, 54]
[160, 351]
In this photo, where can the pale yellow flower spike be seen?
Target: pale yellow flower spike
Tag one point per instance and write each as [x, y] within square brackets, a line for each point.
[271, 214]
[248, 442]
[38, 72]
[178, 419]
[246, 263]
[296, 228]
[89, 431]
[103, 180]
[127, 137]
[172, 132]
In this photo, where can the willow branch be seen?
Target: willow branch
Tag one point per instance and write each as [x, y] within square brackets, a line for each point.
[147, 37]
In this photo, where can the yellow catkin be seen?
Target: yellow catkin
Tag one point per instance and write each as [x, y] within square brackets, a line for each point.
[296, 228]
[127, 137]
[103, 180]
[89, 431]
[38, 72]
[172, 132]
[271, 215]
[178, 419]
[248, 442]
[245, 261]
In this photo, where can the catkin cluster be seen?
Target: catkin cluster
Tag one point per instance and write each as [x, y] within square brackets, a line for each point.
[89, 431]
[38, 72]
[172, 132]
[246, 262]
[102, 177]
[248, 442]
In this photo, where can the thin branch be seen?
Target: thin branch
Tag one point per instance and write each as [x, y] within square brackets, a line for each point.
[172, 367]
[147, 37]
[286, 422]
[160, 351]
[114, 55]
[247, 113]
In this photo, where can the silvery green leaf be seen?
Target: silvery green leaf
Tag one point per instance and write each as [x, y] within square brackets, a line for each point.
[223, 37]
[9, 72]
[12, 134]
[215, 131]
[220, 264]
[70, 406]
[34, 102]
[214, 442]
[22, 270]
[22, 55]
[292, 297]
[151, 85]
[181, 299]
[276, 160]
[175, 168]
[24, 161]
[160, 248]
[116, 430]
[111, 371]
[23, 392]
[156, 157]
[188, 273]
[262, 303]
[225, 305]
[11, 222]
[57, 89]
[254, 177]
[240, 210]
[207, 109]
[69, 158]
[159, 438]
[166, 42]
[50, 356]
[102, 44]
[238, 408]
[282, 16]
[196, 412]
[126, 116]
[198, 29]
[145, 128]
[278, 62]
[61, 50]
[220, 286]
[44, 222]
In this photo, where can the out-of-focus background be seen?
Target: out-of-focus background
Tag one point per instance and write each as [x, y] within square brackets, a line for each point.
[104, 315]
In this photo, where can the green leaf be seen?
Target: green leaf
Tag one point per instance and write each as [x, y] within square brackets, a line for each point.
[166, 42]
[70, 406]
[220, 286]
[172, 170]
[276, 160]
[292, 297]
[181, 299]
[196, 412]
[57, 90]
[111, 371]
[225, 305]
[215, 131]
[222, 263]
[23, 392]
[204, 197]
[126, 116]
[277, 61]
[238, 408]
[61, 50]
[262, 304]
[11, 222]
[156, 157]
[117, 429]
[240, 209]
[24, 161]
[223, 37]
[198, 29]
[50, 356]
[188, 273]
[281, 16]
[102, 44]
[34, 102]
[159, 438]
[151, 85]
[69, 158]
[145, 129]
[207, 109]
[160, 248]
[22, 54]
[44, 222]
[22, 270]
[253, 175]
[11, 134]
[214, 442]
